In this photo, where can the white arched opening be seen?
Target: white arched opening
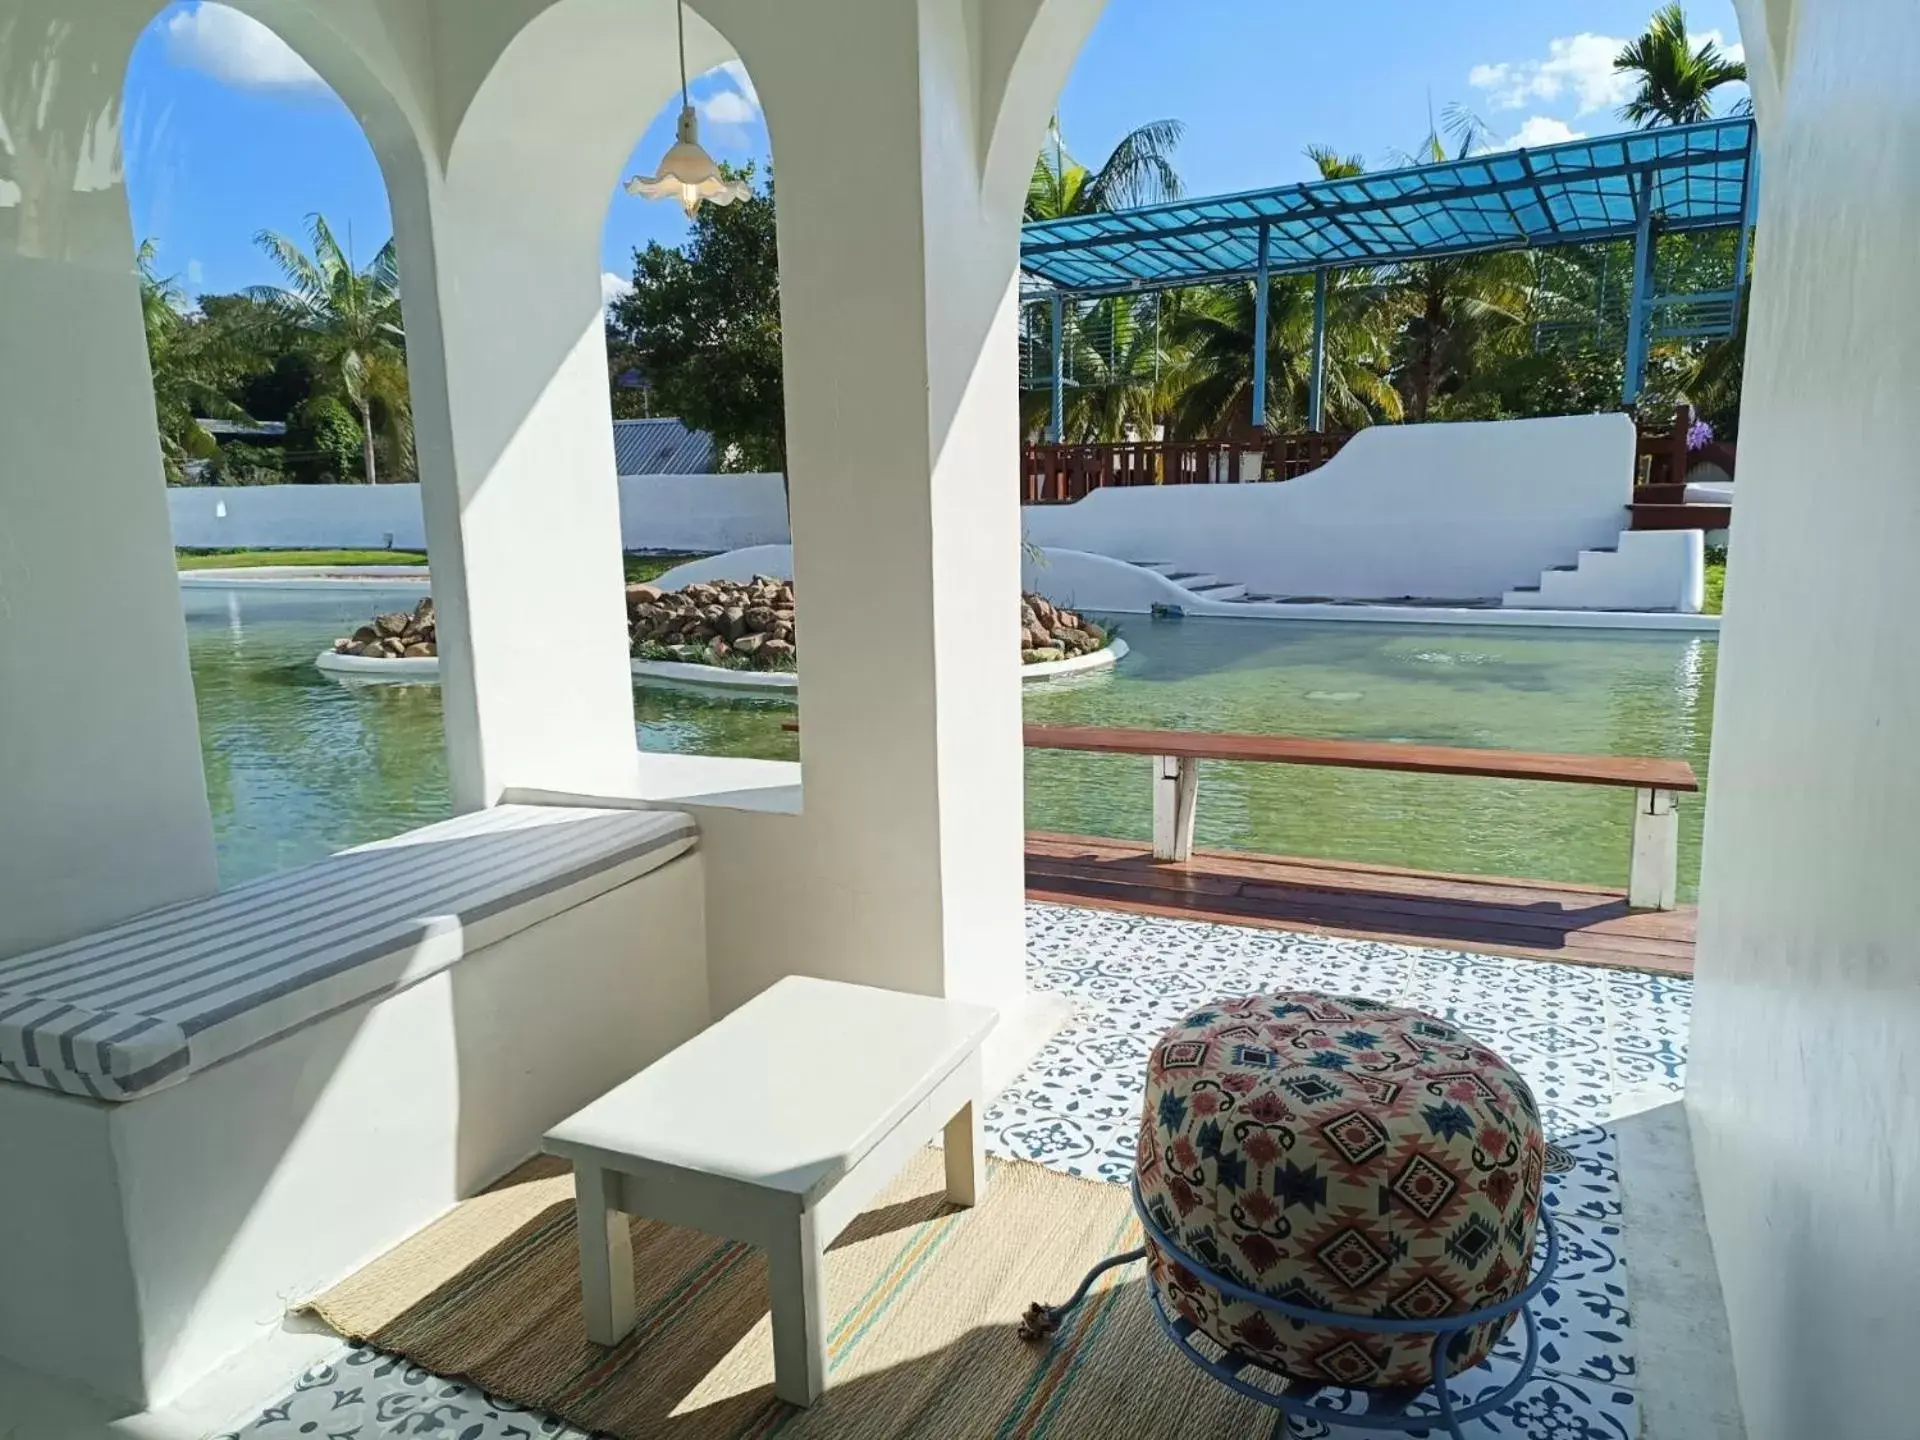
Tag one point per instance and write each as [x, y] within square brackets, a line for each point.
[102, 804]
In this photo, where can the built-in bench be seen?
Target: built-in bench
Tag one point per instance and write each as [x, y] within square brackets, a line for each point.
[226, 1104]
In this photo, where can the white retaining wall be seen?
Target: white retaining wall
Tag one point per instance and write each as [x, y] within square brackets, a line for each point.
[1446, 511]
[657, 512]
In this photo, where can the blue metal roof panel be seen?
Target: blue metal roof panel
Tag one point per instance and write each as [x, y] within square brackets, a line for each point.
[1579, 192]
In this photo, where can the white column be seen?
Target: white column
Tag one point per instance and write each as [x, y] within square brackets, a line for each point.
[898, 310]
[103, 804]
[507, 358]
[1803, 1086]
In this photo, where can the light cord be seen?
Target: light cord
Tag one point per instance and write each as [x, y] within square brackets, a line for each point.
[680, 24]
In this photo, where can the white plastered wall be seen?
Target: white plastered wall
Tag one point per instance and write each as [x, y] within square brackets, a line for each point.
[1803, 1089]
[1442, 511]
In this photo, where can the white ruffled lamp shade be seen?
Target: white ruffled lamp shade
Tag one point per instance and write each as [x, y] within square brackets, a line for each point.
[688, 173]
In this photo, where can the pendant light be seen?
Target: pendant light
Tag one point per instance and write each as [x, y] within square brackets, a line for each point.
[686, 171]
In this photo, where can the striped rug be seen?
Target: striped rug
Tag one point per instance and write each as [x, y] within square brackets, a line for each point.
[923, 1299]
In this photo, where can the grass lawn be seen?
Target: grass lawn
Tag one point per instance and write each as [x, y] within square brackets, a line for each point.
[642, 568]
[247, 559]
[1716, 587]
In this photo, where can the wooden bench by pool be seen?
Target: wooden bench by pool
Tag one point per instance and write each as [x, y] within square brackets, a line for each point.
[1641, 928]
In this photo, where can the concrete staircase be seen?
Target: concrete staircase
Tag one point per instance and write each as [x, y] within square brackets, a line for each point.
[1201, 586]
[1647, 570]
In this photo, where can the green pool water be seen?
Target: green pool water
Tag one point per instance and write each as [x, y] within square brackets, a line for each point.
[300, 764]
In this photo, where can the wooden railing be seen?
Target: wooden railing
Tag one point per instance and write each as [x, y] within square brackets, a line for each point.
[1060, 474]
[1654, 864]
[1661, 456]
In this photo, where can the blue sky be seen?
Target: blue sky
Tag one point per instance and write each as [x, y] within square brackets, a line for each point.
[229, 133]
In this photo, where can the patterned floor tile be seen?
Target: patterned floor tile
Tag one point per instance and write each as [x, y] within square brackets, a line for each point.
[1584, 1040]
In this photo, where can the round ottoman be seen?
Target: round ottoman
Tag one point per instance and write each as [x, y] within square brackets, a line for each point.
[1345, 1156]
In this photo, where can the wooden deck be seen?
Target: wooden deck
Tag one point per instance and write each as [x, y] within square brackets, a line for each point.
[1579, 925]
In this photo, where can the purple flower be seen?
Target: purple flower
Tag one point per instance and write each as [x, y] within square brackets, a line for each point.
[1699, 435]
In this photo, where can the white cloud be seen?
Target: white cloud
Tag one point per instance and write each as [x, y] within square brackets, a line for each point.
[735, 102]
[1544, 130]
[727, 107]
[613, 287]
[742, 81]
[238, 49]
[1580, 66]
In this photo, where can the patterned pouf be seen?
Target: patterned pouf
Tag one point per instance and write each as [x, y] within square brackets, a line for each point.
[1345, 1156]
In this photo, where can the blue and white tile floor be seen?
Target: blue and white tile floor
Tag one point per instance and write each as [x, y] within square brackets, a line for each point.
[1585, 1039]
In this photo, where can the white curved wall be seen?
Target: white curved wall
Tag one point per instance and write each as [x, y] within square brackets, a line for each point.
[1100, 583]
[1457, 511]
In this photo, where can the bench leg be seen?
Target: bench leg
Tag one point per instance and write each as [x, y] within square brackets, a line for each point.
[606, 1254]
[1653, 873]
[964, 1148]
[1176, 784]
[795, 1284]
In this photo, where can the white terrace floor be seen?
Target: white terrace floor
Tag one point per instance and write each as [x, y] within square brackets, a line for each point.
[1596, 1045]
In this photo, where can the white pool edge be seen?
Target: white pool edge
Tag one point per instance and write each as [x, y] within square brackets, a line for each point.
[769, 682]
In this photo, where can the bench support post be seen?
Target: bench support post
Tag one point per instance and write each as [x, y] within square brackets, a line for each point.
[1653, 875]
[1176, 785]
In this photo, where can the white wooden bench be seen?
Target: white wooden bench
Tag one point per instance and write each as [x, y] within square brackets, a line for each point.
[231, 1103]
[776, 1126]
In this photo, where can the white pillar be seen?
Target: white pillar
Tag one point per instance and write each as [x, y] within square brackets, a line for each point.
[898, 307]
[1803, 1086]
[103, 803]
[507, 359]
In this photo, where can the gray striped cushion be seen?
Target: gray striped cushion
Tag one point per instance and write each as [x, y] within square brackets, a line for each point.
[147, 1003]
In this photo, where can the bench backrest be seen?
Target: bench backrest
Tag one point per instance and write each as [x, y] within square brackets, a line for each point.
[1652, 774]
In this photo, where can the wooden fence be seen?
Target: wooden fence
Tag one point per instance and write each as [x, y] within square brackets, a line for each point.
[1060, 474]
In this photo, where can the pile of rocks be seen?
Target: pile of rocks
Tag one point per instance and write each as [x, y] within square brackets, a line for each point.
[1048, 633]
[401, 635]
[721, 622]
[715, 622]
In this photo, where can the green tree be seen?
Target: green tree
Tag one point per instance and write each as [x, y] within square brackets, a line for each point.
[1676, 78]
[192, 364]
[349, 319]
[703, 325]
[1139, 171]
[1121, 364]
[323, 439]
[1213, 336]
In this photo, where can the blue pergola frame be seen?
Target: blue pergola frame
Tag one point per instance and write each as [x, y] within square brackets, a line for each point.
[1631, 186]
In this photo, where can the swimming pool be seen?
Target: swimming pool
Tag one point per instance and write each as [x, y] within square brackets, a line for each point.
[299, 764]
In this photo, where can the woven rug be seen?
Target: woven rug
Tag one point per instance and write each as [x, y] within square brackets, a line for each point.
[923, 1300]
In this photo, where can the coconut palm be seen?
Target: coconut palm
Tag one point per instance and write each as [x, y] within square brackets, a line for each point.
[351, 319]
[192, 363]
[1139, 171]
[1676, 78]
[1212, 335]
[1120, 366]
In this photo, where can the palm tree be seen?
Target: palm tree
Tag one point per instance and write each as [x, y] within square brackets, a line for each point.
[1119, 354]
[192, 363]
[1676, 78]
[1437, 313]
[1138, 172]
[1213, 336]
[351, 318]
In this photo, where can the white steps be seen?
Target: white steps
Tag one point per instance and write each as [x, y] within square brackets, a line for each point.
[1648, 570]
[1202, 586]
